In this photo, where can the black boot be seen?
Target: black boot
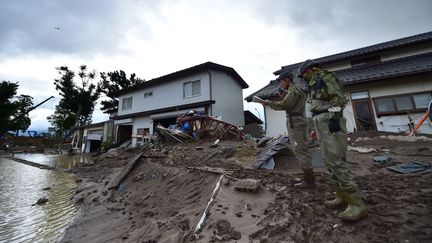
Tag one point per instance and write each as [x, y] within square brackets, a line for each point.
[308, 180]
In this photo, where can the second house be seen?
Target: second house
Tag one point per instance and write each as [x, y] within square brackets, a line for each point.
[211, 88]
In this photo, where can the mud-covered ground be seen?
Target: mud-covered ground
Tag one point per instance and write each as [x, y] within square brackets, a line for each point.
[163, 199]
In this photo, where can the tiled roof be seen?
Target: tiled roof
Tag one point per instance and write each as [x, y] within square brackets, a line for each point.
[251, 118]
[186, 72]
[368, 50]
[393, 68]
[266, 92]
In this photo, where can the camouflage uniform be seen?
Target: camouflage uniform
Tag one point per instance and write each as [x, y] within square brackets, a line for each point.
[325, 91]
[294, 106]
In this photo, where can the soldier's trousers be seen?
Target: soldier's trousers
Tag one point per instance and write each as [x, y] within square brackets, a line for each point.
[333, 147]
[298, 134]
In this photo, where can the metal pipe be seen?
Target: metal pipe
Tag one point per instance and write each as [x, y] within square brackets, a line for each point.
[36, 106]
[211, 91]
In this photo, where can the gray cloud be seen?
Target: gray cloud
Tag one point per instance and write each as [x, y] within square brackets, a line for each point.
[69, 27]
[350, 23]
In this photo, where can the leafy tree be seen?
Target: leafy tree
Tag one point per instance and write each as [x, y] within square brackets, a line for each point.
[13, 110]
[21, 120]
[7, 106]
[111, 84]
[77, 100]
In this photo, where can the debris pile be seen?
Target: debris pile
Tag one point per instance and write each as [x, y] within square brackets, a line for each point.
[194, 125]
[265, 157]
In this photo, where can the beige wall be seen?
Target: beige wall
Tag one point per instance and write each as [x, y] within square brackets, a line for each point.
[396, 123]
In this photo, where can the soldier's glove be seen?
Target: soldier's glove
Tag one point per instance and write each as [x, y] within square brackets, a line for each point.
[334, 125]
[335, 113]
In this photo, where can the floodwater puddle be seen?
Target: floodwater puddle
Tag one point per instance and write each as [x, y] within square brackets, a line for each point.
[21, 186]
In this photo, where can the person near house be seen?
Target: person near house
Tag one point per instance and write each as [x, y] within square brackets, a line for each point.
[293, 103]
[327, 102]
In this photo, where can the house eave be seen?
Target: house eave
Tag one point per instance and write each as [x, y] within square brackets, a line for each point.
[166, 109]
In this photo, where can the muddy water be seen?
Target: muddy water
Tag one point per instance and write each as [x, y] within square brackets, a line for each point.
[21, 186]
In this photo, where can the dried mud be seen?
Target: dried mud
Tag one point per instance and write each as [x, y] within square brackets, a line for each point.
[163, 199]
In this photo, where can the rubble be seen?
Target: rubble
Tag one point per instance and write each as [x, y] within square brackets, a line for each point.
[251, 185]
[411, 167]
[41, 201]
[224, 232]
[362, 150]
[194, 125]
[406, 138]
[265, 157]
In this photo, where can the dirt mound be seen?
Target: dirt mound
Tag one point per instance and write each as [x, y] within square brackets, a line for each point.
[399, 211]
[155, 203]
[166, 194]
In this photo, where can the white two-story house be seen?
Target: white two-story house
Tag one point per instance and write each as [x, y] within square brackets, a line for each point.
[212, 88]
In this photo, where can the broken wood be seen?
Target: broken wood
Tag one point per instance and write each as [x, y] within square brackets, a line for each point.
[219, 171]
[212, 155]
[118, 179]
[154, 156]
[208, 169]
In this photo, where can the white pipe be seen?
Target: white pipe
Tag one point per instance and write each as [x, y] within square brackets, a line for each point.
[204, 215]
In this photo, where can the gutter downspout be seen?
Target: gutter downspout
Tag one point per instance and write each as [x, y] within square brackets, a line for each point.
[211, 92]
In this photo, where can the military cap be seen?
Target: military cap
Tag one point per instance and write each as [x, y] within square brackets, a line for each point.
[305, 65]
[284, 75]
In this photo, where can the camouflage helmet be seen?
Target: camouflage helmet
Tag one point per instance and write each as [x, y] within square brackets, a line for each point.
[284, 75]
[305, 65]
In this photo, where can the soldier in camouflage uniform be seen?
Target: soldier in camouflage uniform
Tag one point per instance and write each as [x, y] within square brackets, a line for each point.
[294, 105]
[327, 102]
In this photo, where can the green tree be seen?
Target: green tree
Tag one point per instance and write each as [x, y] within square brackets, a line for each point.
[7, 106]
[21, 120]
[111, 84]
[77, 101]
[13, 110]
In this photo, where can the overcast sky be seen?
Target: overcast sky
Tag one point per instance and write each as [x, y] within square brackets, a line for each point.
[153, 38]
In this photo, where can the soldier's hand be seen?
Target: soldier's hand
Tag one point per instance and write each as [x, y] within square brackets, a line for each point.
[313, 135]
[334, 125]
[265, 102]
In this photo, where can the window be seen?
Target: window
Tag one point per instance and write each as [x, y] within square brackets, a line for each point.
[148, 94]
[127, 103]
[404, 103]
[143, 131]
[359, 95]
[191, 89]
[422, 100]
[385, 105]
[401, 104]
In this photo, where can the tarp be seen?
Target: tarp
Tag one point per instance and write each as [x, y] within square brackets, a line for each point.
[265, 157]
[410, 167]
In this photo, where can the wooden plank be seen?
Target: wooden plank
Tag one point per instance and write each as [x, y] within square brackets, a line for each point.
[115, 182]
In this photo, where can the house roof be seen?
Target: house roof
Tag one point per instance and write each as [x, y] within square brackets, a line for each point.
[93, 125]
[251, 118]
[393, 68]
[186, 72]
[368, 50]
[417, 64]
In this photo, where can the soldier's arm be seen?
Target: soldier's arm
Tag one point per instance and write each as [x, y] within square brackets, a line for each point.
[335, 93]
[287, 103]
